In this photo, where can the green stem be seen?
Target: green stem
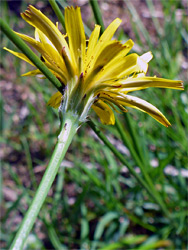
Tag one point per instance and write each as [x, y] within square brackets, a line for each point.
[29, 162]
[134, 136]
[30, 54]
[127, 142]
[97, 13]
[57, 12]
[68, 130]
[142, 167]
[131, 169]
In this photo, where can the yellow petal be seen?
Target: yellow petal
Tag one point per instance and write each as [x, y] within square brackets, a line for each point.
[112, 54]
[104, 112]
[42, 38]
[93, 42]
[51, 53]
[137, 83]
[34, 43]
[55, 70]
[105, 38]
[55, 100]
[119, 68]
[75, 31]
[109, 32]
[137, 103]
[19, 55]
[113, 103]
[108, 53]
[48, 52]
[126, 47]
[29, 39]
[33, 73]
[35, 18]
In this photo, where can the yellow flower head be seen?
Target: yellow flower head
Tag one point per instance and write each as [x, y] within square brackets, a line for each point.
[97, 73]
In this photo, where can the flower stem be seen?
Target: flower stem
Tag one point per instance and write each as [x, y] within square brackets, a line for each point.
[128, 143]
[56, 7]
[68, 129]
[58, 12]
[97, 13]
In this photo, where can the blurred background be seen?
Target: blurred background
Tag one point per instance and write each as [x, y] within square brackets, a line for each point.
[95, 203]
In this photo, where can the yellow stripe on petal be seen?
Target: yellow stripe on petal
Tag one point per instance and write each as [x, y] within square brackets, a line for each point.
[75, 31]
[19, 55]
[55, 100]
[137, 103]
[104, 112]
[35, 18]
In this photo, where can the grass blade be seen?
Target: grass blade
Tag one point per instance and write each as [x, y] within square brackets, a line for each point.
[97, 13]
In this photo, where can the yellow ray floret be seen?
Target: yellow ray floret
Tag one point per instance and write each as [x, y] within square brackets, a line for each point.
[76, 35]
[35, 18]
[19, 55]
[55, 100]
[137, 103]
[104, 112]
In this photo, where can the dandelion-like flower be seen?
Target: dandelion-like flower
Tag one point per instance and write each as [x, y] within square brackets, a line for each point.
[96, 73]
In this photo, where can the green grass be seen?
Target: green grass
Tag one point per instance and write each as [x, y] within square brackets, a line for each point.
[95, 203]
